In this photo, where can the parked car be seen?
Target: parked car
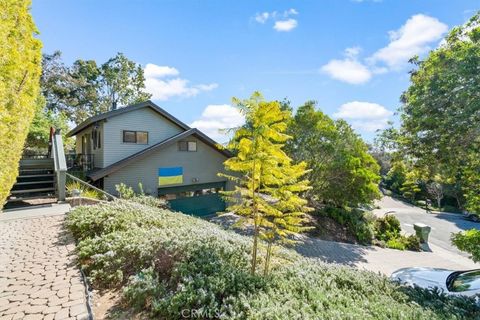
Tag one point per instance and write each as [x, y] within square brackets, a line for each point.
[471, 216]
[465, 283]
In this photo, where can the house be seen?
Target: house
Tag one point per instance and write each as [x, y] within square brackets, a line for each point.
[143, 143]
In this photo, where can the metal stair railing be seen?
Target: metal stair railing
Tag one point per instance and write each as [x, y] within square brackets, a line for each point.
[88, 185]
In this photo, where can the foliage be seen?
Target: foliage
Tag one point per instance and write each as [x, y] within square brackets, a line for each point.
[84, 190]
[404, 243]
[343, 173]
[268, 184]
[85, 88]
[177, 262]
[124, 191]
[468, 241]
[387, 228]
[439, 118]
[20, 54]
[39, 132]
[411, 186]
[471, 178]
[359, 223]
[122, 82]
[396, 176]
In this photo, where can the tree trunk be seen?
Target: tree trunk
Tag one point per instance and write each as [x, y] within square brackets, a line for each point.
[267, 259]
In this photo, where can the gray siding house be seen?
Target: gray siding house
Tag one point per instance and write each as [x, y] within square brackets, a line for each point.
[143, 143]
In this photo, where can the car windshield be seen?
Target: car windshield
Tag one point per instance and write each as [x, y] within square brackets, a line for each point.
[464, 281]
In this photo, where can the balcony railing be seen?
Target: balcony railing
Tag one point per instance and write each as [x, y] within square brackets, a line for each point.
[80, 162]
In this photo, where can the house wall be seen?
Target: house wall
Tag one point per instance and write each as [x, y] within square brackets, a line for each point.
[98, 152]
[204, 164]
[144, 119]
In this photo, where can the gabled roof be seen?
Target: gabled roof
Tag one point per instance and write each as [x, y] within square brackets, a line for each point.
[147, 104]
[158, 146]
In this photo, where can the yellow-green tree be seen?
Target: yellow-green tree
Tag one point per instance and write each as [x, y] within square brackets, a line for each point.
[287, 215]
[266, 189]
[20, 68]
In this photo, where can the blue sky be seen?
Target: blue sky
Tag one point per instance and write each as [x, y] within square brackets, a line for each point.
[349, 55]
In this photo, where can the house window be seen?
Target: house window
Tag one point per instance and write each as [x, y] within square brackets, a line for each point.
[139, 137]
[142, 137]
[96, 139]
[187, 146]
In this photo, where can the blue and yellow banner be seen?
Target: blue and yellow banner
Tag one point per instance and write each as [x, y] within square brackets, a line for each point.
[172, 175]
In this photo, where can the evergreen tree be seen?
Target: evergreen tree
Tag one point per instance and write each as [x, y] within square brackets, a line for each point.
[266, 191]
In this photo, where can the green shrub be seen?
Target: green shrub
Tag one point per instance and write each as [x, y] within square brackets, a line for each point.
[402, 242]
[178, 262]
[124, 191]
[412, 243]
[387, 228]
[468, 241]
[396, 243]
[358, 222]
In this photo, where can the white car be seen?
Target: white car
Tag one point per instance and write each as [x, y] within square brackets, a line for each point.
[463, 283]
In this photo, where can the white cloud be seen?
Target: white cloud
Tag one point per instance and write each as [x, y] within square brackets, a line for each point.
[153, 71]
[348, 70]
[217, 117]
[282, 21]
[364, 116]
[413, 38]
[163, 83]
[285, 25]
[262, 17]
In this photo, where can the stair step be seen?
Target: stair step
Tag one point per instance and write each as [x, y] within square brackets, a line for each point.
[30, 198]
[36, 175]
[35, 169]
[33, 182]
[32, 190]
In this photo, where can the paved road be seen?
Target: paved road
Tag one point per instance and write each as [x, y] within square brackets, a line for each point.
[443, 224]
[370, 258]
[381, 260]
[39, 278]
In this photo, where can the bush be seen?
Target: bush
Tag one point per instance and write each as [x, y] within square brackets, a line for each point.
[358, 222]
[468, 241]
[387, 228]
[402, 242]
[171, 263]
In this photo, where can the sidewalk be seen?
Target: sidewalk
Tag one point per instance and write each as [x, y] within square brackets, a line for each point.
[39, 278]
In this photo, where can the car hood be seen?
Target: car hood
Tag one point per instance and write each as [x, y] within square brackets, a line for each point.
[423, 277]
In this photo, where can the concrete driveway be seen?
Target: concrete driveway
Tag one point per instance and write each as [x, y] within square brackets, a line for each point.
[443, 224]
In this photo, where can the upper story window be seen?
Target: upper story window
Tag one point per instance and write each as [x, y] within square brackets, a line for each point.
[138, 137]
[187, 146]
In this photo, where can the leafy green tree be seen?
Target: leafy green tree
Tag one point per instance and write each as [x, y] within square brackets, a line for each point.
[123, 82]
[20, 68]
[343, 173]
[39, 132]
[267, 183]
[86, 89]
[396, 177]
[411, 186]
[440, 110]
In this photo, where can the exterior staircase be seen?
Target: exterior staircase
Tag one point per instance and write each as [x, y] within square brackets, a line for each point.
[36, 179]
